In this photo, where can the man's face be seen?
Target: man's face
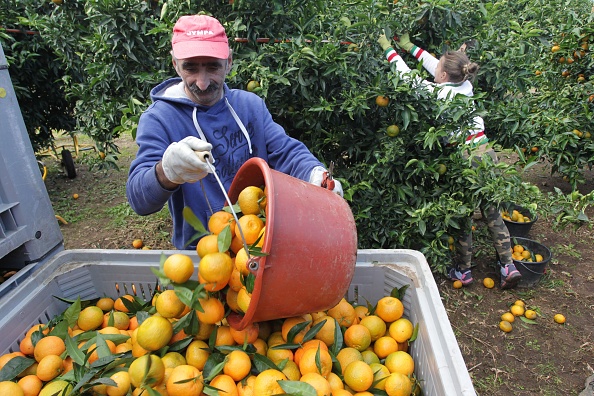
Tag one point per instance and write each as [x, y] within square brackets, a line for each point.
[203, 77]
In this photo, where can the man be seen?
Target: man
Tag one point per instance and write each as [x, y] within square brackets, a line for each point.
[198, 113]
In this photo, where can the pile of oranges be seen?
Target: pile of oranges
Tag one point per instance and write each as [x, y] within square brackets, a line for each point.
[179, 343]
[521, 253]
[515, 216]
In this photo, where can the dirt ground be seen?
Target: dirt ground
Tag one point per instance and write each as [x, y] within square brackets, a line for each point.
[535, 358]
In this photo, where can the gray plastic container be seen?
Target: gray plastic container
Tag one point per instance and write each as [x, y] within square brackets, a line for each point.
[90, 274]
[29, 232]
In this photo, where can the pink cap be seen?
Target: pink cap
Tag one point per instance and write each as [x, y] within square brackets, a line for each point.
[199, 35]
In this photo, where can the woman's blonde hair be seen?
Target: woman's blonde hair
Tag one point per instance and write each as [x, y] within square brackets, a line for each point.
[458, 66]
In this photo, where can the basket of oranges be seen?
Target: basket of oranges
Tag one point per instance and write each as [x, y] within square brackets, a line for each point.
[530, 258]
[518, 219]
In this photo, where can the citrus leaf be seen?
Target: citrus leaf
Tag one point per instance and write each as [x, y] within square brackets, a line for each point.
[311, 333]
[213, 366]
[192, 220]
[262, 363]
[72, 312]
[14, 367]
[526, 320]
[296, 330]
[224, 239]
[76, 354]
[297, 388]
[338, 339]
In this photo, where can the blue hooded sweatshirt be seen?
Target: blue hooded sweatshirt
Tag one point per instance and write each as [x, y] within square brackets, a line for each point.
[173, 116]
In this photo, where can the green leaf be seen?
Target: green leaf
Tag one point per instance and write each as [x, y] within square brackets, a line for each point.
[262, 363]
[338, 338]
[71, 313]
[311, 333]
[213, 366]
[296, 329]
[297, 388]
[76, 354]
[224, 239]
[14, 367]
[192, 220]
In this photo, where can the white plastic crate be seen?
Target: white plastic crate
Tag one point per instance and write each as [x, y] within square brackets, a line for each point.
[91, 274]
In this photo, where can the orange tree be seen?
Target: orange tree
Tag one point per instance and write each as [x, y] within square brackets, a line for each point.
[320, 70]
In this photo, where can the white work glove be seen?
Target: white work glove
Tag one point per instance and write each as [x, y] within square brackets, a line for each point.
[317, 177]
[181, 163]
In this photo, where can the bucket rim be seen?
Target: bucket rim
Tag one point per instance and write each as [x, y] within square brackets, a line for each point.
[237, 320]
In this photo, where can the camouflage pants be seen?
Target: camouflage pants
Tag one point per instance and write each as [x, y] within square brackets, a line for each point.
[496, 226]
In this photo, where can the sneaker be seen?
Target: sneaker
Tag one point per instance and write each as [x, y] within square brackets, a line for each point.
[464, 276]
[510, 276]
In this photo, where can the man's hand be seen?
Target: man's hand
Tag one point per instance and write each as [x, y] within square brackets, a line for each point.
[181, 163]
[404, 42]
[384, 42]
[317, 176]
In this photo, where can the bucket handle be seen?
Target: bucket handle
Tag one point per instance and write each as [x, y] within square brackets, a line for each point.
[204, 156]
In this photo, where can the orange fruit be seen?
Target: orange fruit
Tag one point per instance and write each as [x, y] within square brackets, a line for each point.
[154, 333]
[214, 311]
[50, 367]
[400, 362]
[90, 318]
[10, 388]
[358, 376]
[261, 346]
[185, 380]
[236, 244]
[241, 261]
[558, 318]
[219, 220]
[207, 244]
[246, 387]
[224, 336]
[139, 373]
[382, 101]
[50, 345]
[26, 346]
[197, 354]
[178, 267]
[357, 336]
[122, 379]
[248, 335]
[291, 370]
[105, 303]
[375, 325]
[216, 268]
[488, 283]
[276, 355]
[398, 384]
[235, 280]
[315, 361]
[266, 383]
[401, 330]
[318, 382]
[169, 305]
[380, 375]
[243, 299]
[505, 326]
[384, 346]
[252, 85]
[326, 332]
[56, 387]
[237, 365]
[31, 385]
[508, 317]
[392, 130]
[121, 321]
[348, 355]
[457, 284]
[137, 243]
[224, 384]
[517, 310]
[530, 314]
[344, 313]
[250, 225]
[362, 311]
[389, 309]
[119, 305]
[251, 200]
[289, 323]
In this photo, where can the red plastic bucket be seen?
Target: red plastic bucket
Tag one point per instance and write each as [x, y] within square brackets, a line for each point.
[311, 241]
